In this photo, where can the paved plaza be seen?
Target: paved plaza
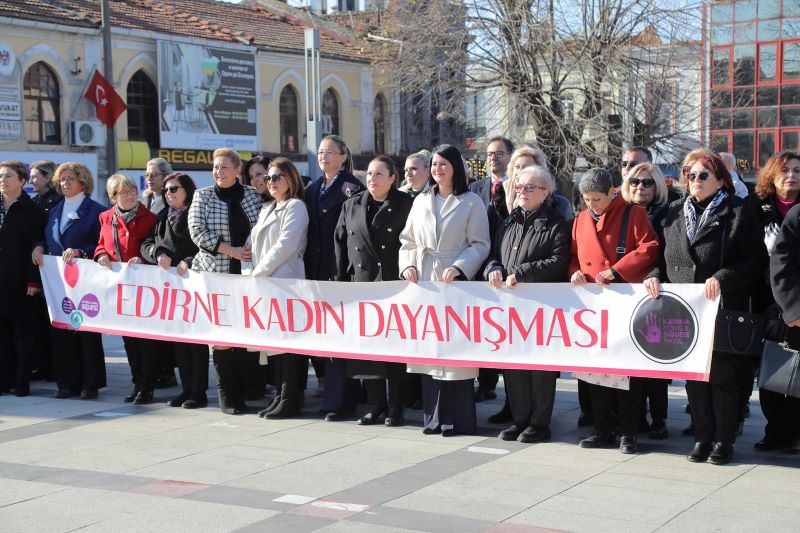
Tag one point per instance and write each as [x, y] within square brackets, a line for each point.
[103, 465]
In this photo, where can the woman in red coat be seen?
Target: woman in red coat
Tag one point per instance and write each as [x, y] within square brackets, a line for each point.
[601, 255]
[122, 230]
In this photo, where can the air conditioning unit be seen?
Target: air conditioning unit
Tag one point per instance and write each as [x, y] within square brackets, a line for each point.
[87, 133]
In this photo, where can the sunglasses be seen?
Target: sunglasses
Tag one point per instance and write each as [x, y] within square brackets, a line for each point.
[171, 189]
[646, 182]
[528, 187]
[694, 176]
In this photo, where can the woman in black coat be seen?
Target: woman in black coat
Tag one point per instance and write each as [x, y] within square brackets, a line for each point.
[367, 244]
[324, 199]
[531, 246]
[21, 228]
[170, 244]
[777, 191]
[711, 237]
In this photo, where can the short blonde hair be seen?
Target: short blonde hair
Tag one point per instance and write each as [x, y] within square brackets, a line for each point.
[117, 182]
[661, 196]
[232, 155]
[80, 170]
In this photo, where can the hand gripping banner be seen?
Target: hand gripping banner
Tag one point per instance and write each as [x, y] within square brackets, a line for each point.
[616, 329]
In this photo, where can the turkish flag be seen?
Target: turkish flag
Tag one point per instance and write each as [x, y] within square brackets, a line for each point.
[106, 101]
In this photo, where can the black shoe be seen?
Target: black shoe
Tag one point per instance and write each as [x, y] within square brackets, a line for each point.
[166, 381]
[659, 431]
[585, 419]
[333, 416]
[502, 416]
[598, 440]
[510, 433]
[628, 445]
[88, 394]
[430, 431]
[177, 401]
[699, 453]
[234, 410]
[721, 454]
[143, 398]
[132, 396]
[534, 434]
[483, 395]
[643, 427]
[62, 393]
[449, 433]
[285, 409]
[21, 391]
[394, 421]
[191, 403]
[372, 417]
[688, 432]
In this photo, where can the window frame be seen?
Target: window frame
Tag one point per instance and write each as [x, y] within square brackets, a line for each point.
[54, 101]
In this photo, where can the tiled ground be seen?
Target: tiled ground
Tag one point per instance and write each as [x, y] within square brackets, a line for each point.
[103, 465]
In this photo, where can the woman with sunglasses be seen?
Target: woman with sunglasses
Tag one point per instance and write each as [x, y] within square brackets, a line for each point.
[777, 191]
[711, 237]
[170, 245]
[645, 186]
[279, 241]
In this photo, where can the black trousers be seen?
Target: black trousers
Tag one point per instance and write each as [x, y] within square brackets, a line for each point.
[628, 403]
[41, 336]
[232, 366]
[15, 353]
[193, 368]
[394, 402]
[78, 360]
[716, 405]
[531, 395]
[656, 394]
[488, 378]
[585, 396]
[143, 358]
[449, 405]
[341, 392]
[782, 414]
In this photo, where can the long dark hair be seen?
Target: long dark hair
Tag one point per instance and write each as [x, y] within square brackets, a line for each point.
[453, 156]
[259, 159]
[186, 182]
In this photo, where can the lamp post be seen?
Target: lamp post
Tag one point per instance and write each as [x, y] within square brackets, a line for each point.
[108, 71]
[313, 98]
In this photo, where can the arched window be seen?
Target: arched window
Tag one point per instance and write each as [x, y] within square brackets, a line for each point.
[288, 119]
[379, 124]
[41, 105]
[330, 113]
[142, 110]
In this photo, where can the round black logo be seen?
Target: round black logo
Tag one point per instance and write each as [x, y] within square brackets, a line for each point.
[664, 330]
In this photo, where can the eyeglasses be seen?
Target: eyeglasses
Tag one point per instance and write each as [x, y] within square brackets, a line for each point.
[171, 189]
[153, 174]
[528, 187]
[645, 182]
[65, 181]
[694, 176]
[328, 153]
[628, 164]
[128, 192]
[498, 153]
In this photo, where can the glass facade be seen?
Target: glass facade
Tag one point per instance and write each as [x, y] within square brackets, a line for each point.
[754, 75]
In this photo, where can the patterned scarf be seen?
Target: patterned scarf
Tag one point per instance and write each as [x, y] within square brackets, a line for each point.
[323, 190]
[690, 214]
[174, 214]
[128, 215]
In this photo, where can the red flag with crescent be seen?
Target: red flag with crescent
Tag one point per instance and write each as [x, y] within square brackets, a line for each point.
[108, 104]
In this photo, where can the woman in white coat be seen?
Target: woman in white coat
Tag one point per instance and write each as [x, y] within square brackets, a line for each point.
[446, 238]
[279, 241]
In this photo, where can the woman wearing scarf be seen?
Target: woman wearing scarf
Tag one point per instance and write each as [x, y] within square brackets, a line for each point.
[122, 230]
[711, 237]
[220, 220]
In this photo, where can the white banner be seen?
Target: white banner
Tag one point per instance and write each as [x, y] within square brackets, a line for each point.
[555, 326]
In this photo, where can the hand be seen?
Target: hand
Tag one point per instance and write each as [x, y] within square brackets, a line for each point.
[653, 334]
[164, 261]
[104, 261]
[653, 287]
[578, 278]
[605, 277]
[511, 281]
[134, 260]
[713, 289]
[794, 324]
[182, 268]
[410, 274]
[38, 256]
[247, 253]
[450, 274]
[496, 278]
[33, 291]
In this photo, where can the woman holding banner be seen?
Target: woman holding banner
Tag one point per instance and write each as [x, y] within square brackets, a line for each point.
[612, 241]
[279, 240]
[446, 238]
[531, 246]
[711, 237]
[367, 246]
[72, 231]
[220, 220]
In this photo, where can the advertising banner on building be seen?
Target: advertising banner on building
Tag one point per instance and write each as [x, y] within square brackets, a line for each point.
[207, 96]
[609, 330]
[10, 94]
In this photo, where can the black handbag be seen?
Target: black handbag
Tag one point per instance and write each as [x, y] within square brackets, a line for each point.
[779, 369]
[738, 332]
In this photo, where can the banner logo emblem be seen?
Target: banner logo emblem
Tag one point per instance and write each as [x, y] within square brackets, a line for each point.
[664, 330]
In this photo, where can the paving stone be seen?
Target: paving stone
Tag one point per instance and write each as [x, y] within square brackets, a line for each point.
[415, 520]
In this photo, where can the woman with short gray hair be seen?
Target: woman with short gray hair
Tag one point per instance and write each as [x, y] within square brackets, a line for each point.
[156, 170]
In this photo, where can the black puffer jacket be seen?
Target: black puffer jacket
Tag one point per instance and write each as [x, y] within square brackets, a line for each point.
[535, 248]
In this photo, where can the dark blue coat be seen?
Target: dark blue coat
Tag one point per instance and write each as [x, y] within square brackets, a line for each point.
[81, 235]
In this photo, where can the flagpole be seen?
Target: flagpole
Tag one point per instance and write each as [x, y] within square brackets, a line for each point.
[111, 138]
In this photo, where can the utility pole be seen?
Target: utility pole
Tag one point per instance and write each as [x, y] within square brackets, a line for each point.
[108, 72]
[313, 99]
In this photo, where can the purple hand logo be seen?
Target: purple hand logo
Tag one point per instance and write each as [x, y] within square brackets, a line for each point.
[653, 334]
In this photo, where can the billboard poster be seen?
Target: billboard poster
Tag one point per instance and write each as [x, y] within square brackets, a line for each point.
[207, 97]
[10, 94]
